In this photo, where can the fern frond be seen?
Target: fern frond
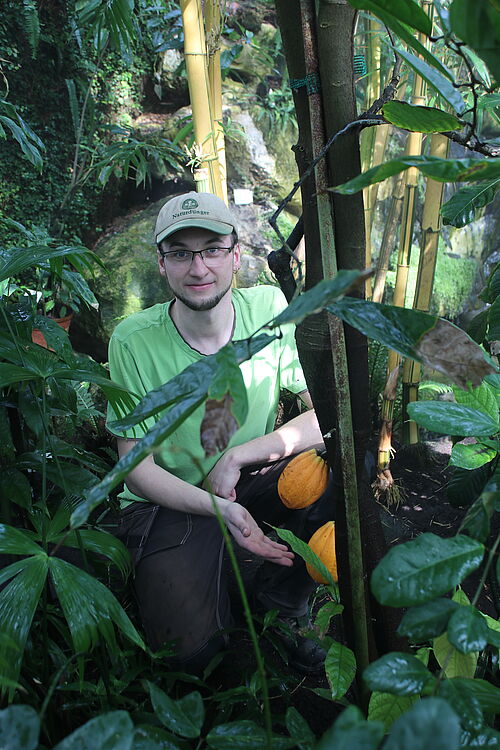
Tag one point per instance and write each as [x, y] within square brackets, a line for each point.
[32, 25]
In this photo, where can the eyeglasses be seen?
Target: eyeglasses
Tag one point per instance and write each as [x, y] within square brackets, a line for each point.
[211, 256]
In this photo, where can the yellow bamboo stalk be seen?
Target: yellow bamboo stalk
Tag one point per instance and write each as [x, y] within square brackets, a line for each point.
[429, 240]
[388, 238]
[196, 57]
[413, 147]
[213, 25]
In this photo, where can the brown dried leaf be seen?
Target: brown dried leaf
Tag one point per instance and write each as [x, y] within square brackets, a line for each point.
[218, 425]
[448, 349]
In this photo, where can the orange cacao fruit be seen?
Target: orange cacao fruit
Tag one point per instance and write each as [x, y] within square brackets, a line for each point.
[322, 543]
[303, 480]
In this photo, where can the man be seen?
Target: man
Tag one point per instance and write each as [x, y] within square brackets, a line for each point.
[174, 536]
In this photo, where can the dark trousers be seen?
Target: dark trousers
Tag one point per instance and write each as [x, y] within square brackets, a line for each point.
[180, 581]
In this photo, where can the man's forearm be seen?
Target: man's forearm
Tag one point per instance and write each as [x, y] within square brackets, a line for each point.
[153, 483]
[295, 436]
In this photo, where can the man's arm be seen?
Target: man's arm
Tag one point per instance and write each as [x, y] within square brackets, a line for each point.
[297, 435]
[153, 483]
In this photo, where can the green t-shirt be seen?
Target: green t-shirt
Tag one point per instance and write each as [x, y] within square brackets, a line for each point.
[146, 351]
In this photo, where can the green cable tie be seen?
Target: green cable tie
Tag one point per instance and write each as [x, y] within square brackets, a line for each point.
[311, 82]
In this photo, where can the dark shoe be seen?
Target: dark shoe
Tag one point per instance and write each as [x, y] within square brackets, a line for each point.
[304, 653]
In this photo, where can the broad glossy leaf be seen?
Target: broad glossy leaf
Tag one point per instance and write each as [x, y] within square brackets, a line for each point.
[464, 205]
[183, 716]
[485, 737]
[340, 667]
[15, 486]
[101, 543]
[299, 730]
[454, 663]
[18, 259]
[442, 170]
[315, 299]
[430, 723]
[467, 630]
[471, 455]
[10, 374]
[419, 336]
[452, 419]
[306, 553]
[387, 707]
[17, 542]
[477, 521]
[466, 485]
[89, 607]
[424, 568]
[350, 731]
[428, 620]
[477, 24]
[325, 614]
[478, 326]
[419, 119]
[236, 735]
[463, 703]
[494, 321]
[155, 738]
[406, 11]
[228, 378]
[487, 694]
[56, 337]
[19, 728]
[109, 731]
[482, 397]
[434, 78]
[398, 673]
[18, 602]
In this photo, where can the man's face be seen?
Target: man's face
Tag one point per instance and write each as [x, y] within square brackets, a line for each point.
[198, 285]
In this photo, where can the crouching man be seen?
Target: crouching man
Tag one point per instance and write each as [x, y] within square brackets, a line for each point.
[167, 518]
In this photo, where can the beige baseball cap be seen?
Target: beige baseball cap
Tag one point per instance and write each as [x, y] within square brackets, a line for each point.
[193, 209]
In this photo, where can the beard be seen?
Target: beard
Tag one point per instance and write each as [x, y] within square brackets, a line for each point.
[206, 304]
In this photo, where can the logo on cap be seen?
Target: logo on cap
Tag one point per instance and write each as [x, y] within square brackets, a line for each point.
[189, 203]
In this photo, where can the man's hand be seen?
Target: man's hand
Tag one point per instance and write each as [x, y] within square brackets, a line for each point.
[224, 477]
[248, 535]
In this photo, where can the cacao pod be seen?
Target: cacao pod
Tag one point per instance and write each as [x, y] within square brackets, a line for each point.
[322, 543]
[303, 480]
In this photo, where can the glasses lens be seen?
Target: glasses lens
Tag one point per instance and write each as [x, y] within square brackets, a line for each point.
[212, 256]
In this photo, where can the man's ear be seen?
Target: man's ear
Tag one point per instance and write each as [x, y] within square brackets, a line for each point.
[161, 262]
[237, 257]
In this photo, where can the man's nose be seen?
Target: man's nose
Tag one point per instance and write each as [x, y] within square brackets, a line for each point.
[197, 264]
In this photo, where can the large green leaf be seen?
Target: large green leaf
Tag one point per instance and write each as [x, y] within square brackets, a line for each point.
[183, 716]
[89, 607]
[98, 542]
[419, 336]
[31, 145]
[387, 707]
[453, 662]
[18, 602]
[430, 723]
[317, 298]
[19, 728]
[435, 79]
[155, 738]
[350, 731]
[487, 694]
[464, 205]
[419, 119]
[428, 620]
[17, 542]
[452, 419]
[485, 737]
[238, 735]
[340, 667]
[229, 379]
[398, 673]
[424, 568]
[17, 259]
[463, 703]
[442, 170]
[406, 11]
[477, 521]
[15, 487]
[109, 731]
[482, 397]
[465, 485]
[471, 455]
[467, 630]
[299, 729]
[477, 23]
